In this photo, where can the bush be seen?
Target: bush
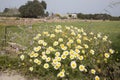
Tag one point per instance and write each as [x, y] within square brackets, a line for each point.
[7, 62]
[69, 52]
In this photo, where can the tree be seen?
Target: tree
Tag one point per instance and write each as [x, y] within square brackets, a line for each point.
[44, 4]
[6, 10]
[33, 9]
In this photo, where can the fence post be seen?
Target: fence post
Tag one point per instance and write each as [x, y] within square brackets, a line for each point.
[5, 38]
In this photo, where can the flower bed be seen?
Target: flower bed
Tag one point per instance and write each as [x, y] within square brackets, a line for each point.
[68, 52]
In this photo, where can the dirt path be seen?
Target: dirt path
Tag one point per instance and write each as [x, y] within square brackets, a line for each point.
[6, 76]
[13, 75]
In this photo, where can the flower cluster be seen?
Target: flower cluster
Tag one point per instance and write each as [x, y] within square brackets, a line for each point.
[67, 49]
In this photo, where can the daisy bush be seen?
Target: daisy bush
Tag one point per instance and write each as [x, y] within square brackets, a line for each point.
[68, 52]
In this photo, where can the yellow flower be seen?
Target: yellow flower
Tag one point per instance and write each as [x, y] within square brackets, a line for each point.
[73, 33]
[99, 35]
[40, 41]
[105, 38]
[35, 38]
[107, 55]
[63, 70]
[44, 57]
[71, 41]
[37, 61]
[85, 70]
[111, 51]
[97, 78]
[51, 48]
[68, 44]
[72, 52]
[73, 64]
[35, 54]
[79, 47]
[72, 57]
[39, 47]
[76, 28]
[98, 61]
[30, 60]
[48, 59]
[65, 53]
[52, 35]
[31, 69]
[61, 74]
[46, 66]
[71, 26]
[58, 58]
[63, 47]
[91, 33]
[83, 51]
[56, 30]
[81, 67]
[68, 28]
[43, 53]
[57, 54]
[86, 46]
[58, 26]
[78, 41]
[85, 38]
[77, 50]
[99, 70]
[54, 61]
[60, 39]
[92, 52]
[95, 38]
[32, 54]
[79, 36]
[93, 71]
[47, 51]
[84, 33]
[44, 44]
[22, 57]
[38, 35]
[46, 33]
[80, 57]
[63, 56]
[55, 43]
[57, 65]
[36, 49]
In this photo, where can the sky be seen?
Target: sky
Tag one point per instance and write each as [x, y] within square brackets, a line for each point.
[71, 6]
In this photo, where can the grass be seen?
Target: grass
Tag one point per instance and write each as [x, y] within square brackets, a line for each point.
[23, 35]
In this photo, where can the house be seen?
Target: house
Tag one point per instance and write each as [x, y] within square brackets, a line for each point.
[72, 15]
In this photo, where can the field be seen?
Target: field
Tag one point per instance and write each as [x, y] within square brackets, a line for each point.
[23, 34]
[110, 28]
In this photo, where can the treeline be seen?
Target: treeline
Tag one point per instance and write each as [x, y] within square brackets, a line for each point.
[10, 12]
[97, 16]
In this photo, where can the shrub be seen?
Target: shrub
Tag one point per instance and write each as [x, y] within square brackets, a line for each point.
[69, 52]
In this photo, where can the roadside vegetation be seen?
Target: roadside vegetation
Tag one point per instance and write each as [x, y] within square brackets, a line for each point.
[19, 39]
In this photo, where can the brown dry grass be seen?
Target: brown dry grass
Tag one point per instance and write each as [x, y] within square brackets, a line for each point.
[10, 21]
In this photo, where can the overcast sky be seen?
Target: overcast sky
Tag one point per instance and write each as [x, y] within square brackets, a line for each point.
[71, 6]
